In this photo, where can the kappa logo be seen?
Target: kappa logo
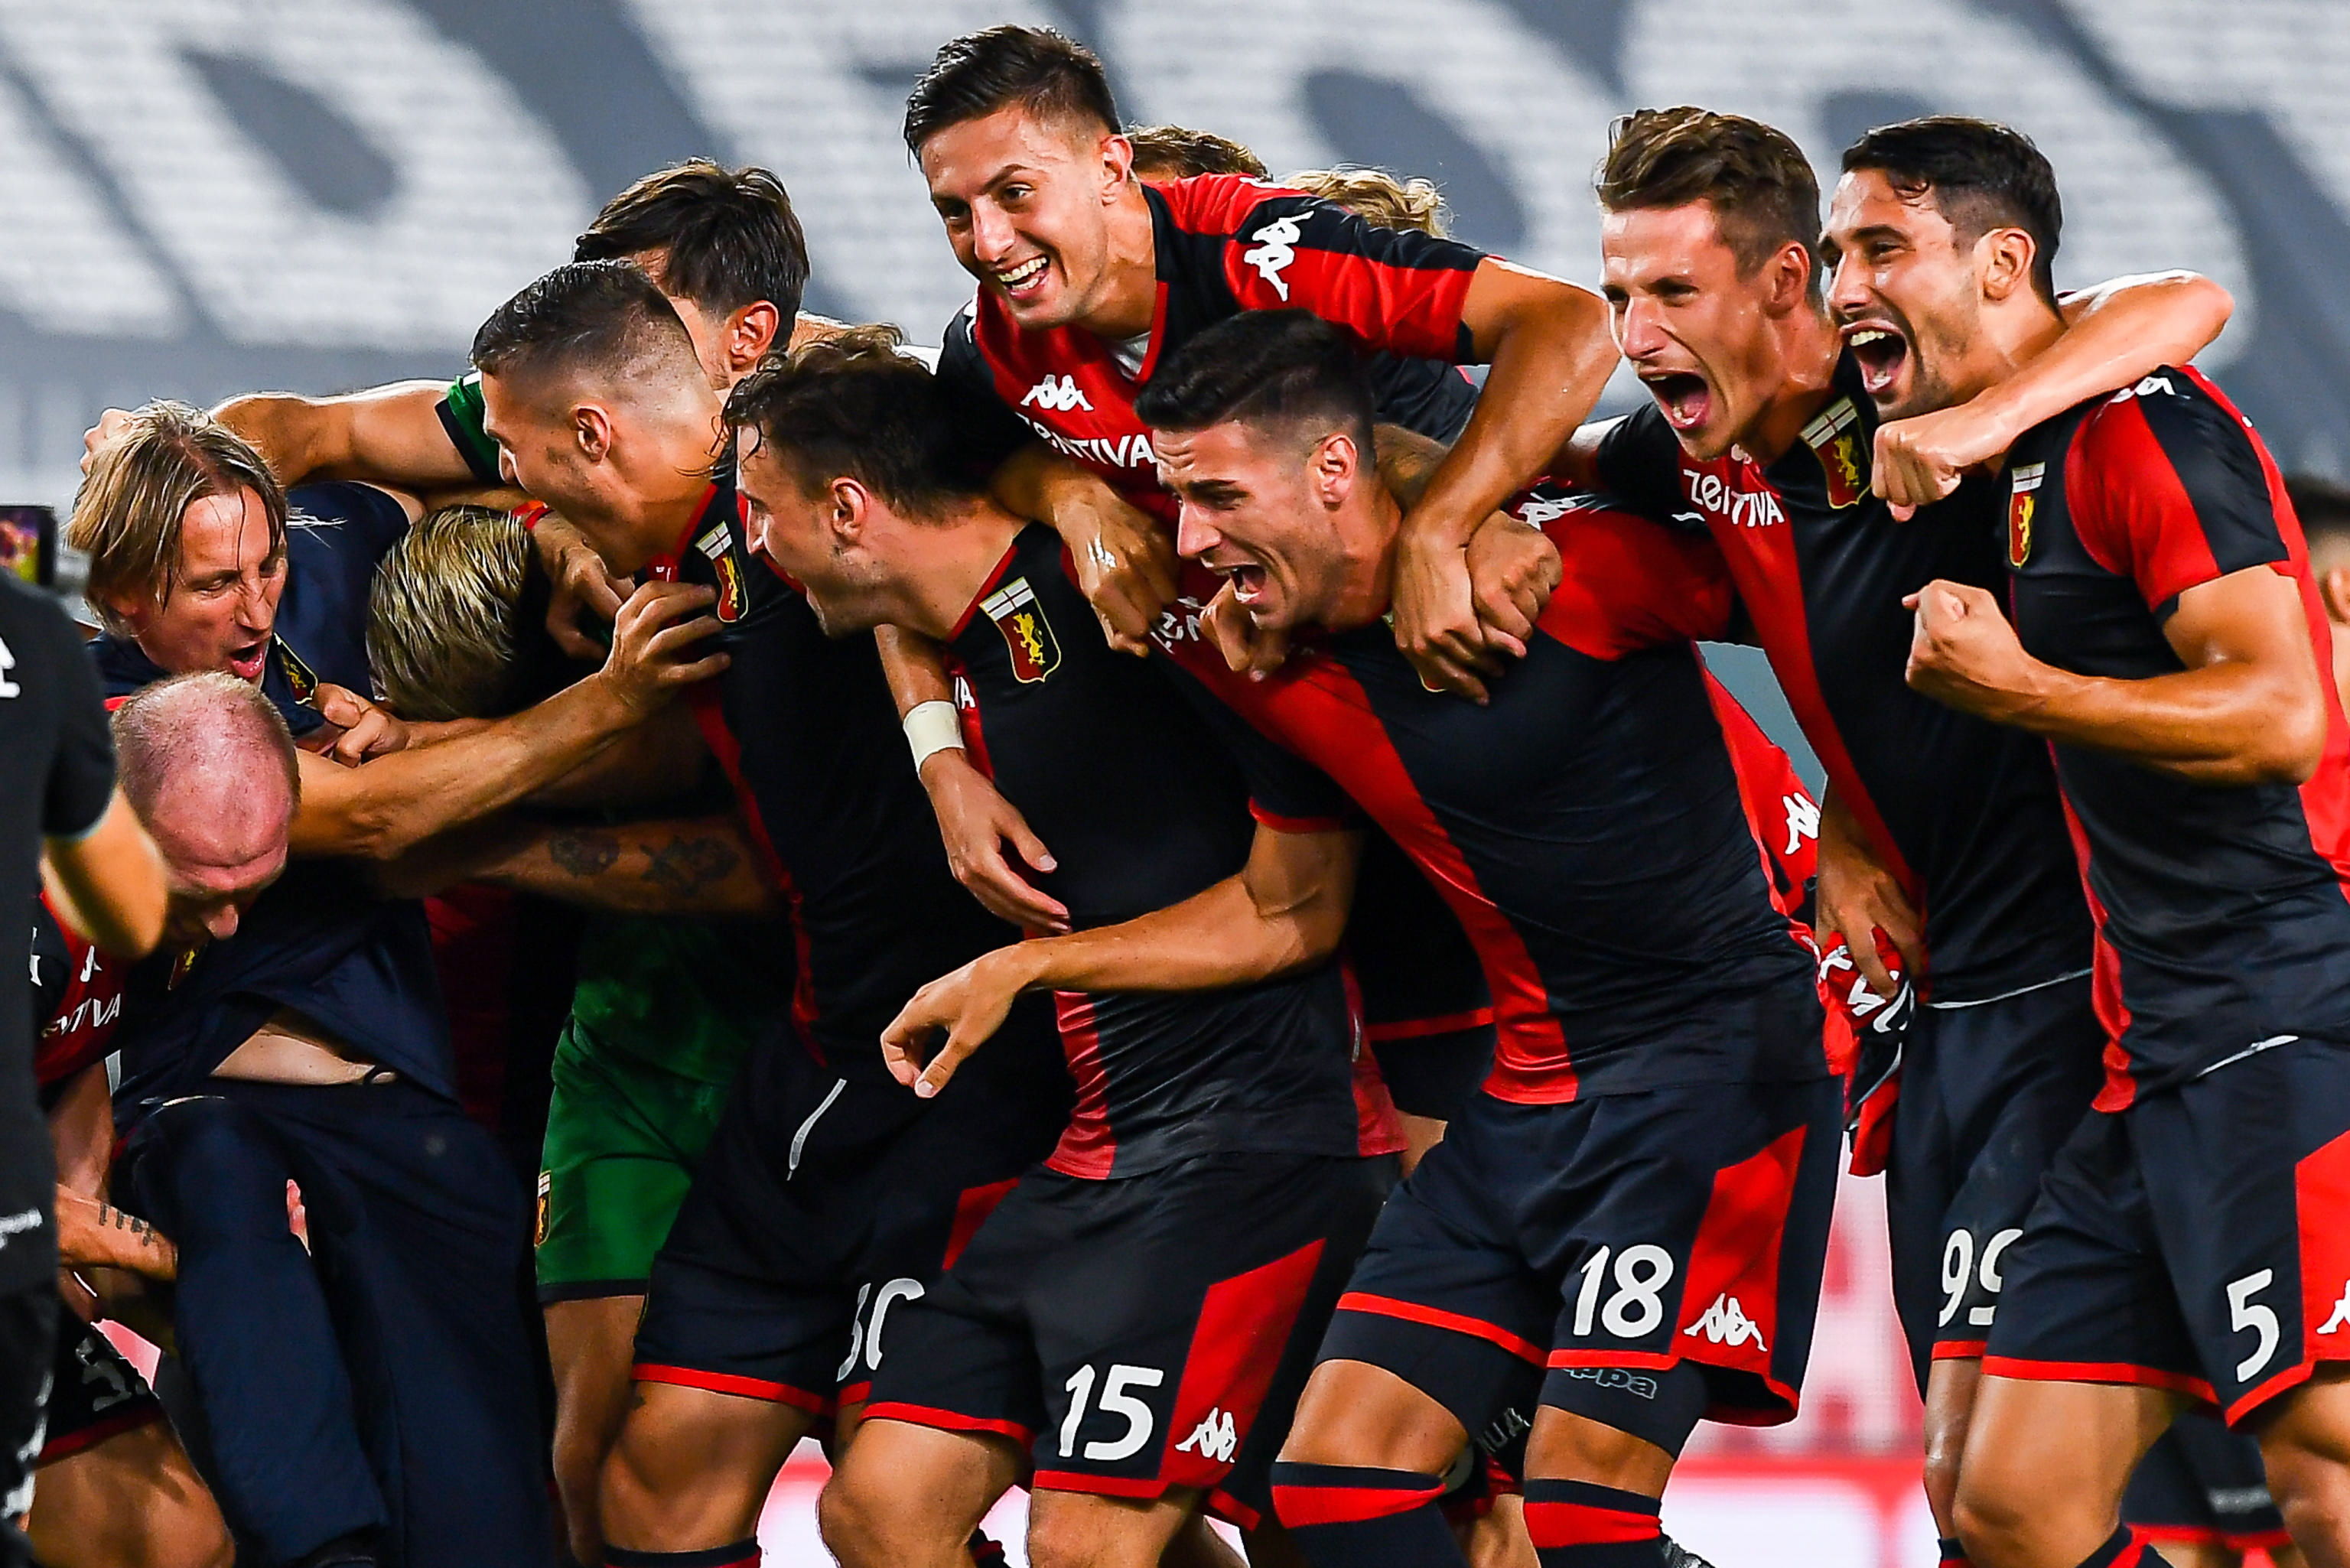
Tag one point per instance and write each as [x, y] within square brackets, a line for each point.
[1274, 249]
[1744, 508]
[1726, 1322]
[1803, 821]
[719, 549]
[2147, 388]
[1543, 506]
[1215, 1438]
[2339, 1319]
[1016, 614]
[1056, 394]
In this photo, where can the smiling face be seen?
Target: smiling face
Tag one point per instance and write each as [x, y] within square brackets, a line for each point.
[1906, 293]
[221, 605]
[1027, 202]
[1263, 516]
[1698, 333]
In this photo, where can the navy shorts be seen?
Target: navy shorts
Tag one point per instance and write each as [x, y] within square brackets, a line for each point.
[2203, 1485]
[1140, 1333]
[2198, 1242]
[1989, 1093]
[94, 1393]
[1604, 1239]
[822, 1204]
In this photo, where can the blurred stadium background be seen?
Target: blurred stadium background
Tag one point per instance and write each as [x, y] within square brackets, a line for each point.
[204, 197]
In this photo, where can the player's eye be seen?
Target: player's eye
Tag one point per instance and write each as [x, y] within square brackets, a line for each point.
[1016, 193]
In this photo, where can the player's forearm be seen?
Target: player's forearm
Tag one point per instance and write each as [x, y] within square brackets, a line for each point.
[693, 867]
[81, 1132]
[1037, 482]
[2228, 723]
[914, 667]
[109, 884]
[396, 801]
[1217, 937]
[1551, 357]
[295, 435]
[2115, 335]
[93, 1233]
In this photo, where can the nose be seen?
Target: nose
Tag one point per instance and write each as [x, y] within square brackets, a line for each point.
[992, 233]
[1849, 290]
[1194, 535]
[1640, 334]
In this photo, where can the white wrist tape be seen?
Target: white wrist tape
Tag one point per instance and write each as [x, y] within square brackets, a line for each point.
[932, 727]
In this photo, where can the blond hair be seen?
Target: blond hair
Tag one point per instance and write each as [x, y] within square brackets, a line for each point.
[441, 614]
[1378, 197]
[128, 514]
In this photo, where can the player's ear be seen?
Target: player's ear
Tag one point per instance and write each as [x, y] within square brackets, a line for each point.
[1118, 164]
[1336, 466]
[850, 503]
[2333, 590]
[1790, 274]
[591, 431]
[750, 334]
[2004, 259]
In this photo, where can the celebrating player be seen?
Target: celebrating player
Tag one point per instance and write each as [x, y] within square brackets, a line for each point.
[1760, 432]
[2167, 638]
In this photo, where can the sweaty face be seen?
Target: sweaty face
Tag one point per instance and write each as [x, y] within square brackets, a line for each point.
[220, 853]
[1905, 292]
[1696, 333]
[1027, 204]
[1250, 513]
[222, 605]
[791, 530]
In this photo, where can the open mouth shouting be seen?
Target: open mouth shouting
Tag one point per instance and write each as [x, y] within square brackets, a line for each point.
[1881, 351]
[245, 661]
[1684, 396]
[1024, 282]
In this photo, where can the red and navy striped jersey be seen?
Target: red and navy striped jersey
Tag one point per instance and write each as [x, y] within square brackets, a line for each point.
[1964, 812]
[77, 999]
[1225, 244]
[2223, 924]
[804, 728]
[1586, 826]
[1113, 767]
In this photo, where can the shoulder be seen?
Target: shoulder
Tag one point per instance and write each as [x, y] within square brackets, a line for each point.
[36, 626]
[1220, 204]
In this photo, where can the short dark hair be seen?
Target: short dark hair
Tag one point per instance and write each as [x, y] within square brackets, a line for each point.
[728, 237]
[1763, 194]
[1286, 369]
[973, 76]
[1981, 175]
[2323, 506]
[1179, 153]
[605, 316]
[856, 405]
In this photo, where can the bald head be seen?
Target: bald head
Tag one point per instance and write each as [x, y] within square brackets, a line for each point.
[206, 762]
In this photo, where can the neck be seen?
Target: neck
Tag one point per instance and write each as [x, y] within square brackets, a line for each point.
[950, 563]
[1366, 544]
[1807, 347]
[1129, 297]
[2006, 339]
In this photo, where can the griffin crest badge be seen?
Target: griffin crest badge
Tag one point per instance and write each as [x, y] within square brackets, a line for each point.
[719, 547]
[2021, 504]
[1835, 438]
[1016, 614]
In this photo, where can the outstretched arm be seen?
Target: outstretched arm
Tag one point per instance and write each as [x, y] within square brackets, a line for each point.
[1285, 911]
[109, 882]
[390, 434]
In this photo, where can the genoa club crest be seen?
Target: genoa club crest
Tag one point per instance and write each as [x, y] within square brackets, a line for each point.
[720, 548]
[2021, 504]
[1835, 438]
[1013, 609]
[299, 677]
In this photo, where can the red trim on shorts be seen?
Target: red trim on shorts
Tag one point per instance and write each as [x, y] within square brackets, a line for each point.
[1237, 1342]
[1101, 1486]
[66, 1445]
[2268, 1388]
[2030, 1371]
[728, 1382]
[1416, 1028]
[971, 1209]
[1231, 1509]
[1436, 1317]
[947, 1420]
[1958, 1349]
[853, 1394]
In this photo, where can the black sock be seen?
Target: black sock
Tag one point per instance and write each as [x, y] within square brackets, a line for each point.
[1575, 1525]
[1954, 1552]
[985, 1553]
[741, 1554]
[1345, 1517]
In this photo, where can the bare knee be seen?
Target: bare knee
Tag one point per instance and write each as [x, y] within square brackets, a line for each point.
[1353, 1413]
[1073, 1531]
[860, 1527]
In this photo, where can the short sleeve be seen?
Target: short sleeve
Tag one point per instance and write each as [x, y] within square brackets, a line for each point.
[1630, 584]
[987, 430]
[81, 772]
[1394, 289]
[2166, 487]
[460, 416]
[1286, 792]
[1640, 463]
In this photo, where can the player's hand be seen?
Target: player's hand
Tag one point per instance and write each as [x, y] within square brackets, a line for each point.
[1513, 568]
[969, 1006]
[365, 729]
[1246, 646]
[1436, 622]
[1964, 653]
[103, 434]
[1920, 460]
[1857, 898]
[657, 644]
[1126, 566]
[581, 583]
[976, 823]
[94, 1234]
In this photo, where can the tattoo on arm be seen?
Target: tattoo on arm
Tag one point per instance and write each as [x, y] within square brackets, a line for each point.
[688, 865]
[583, 853]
